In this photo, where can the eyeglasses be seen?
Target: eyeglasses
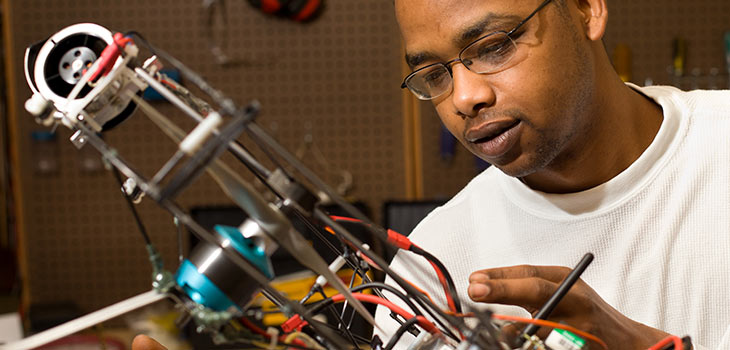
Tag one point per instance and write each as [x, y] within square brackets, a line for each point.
[485, 55]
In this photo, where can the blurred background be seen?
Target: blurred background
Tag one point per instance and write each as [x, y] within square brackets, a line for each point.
[329, 83]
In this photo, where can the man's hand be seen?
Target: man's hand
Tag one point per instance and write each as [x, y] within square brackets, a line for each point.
[531, 286]
[143, 342]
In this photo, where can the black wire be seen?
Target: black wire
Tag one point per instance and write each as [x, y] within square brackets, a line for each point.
[375, 286]
[328, 302]
[686, 344]
[399, 333]
[365, 278]
[352, 283]
[317, 232]
[449, 280]
[419, 297]
[137, 219]
[444, 271]
[339, 319]
[317, 307]
[307, 222]
[357, 337]
[396, 292]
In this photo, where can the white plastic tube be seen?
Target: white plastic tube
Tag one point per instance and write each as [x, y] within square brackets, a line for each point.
[201, 132]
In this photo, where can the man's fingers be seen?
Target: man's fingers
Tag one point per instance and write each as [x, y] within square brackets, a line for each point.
[529, 293]
[551, 273]
[143, 342]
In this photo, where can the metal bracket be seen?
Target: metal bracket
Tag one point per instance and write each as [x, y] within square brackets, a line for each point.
[78, 139]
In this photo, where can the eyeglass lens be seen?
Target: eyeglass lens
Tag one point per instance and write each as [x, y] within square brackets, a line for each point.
[485, 55]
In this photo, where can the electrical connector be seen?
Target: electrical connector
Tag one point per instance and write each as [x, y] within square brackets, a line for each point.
[294, 323]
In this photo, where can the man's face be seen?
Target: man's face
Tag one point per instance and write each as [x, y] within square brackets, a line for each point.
[530, 115]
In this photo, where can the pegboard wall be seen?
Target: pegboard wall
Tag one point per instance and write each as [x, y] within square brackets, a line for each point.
[648, 28]
[333, 81]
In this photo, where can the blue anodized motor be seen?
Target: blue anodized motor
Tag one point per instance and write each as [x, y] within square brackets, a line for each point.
[209, 278]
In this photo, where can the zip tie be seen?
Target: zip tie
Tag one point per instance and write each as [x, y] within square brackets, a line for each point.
[274, 333]
[335, 266]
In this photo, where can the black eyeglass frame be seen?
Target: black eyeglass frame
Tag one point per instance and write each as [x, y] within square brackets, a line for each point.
[448, 64]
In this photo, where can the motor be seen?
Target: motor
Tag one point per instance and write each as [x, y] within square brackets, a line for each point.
[55, 66]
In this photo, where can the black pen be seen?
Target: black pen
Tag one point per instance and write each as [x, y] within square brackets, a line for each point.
[563, 289]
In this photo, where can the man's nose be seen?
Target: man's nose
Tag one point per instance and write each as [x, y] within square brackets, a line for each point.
[472, 91]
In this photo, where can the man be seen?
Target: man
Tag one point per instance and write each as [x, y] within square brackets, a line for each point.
[582, 163]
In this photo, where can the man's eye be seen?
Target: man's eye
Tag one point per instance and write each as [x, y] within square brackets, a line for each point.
[495, 50]
[434, 78]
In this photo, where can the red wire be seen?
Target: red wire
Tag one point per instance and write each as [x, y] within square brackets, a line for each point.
[169, 84]
[254, 328]
[664, 342]
[123, 42]
[550, 324]
[422, 321]
[343, 218]
[308, 9]
[445, 285]
[401, 241]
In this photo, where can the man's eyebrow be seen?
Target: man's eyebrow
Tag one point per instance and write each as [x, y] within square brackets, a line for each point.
[414, 60]
[490, 22]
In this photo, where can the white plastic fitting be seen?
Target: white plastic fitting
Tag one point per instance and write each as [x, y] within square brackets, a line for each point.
[201, 132]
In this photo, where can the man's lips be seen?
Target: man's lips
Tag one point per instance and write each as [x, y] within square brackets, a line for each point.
[489, 130]
[494, 138]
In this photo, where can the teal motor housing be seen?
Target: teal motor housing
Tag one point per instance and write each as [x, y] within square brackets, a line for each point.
[210, 279]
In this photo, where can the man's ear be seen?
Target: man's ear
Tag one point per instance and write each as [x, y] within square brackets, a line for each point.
[594, 16]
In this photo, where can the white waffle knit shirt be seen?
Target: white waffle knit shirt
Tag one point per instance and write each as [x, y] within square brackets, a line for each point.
[660, 230]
